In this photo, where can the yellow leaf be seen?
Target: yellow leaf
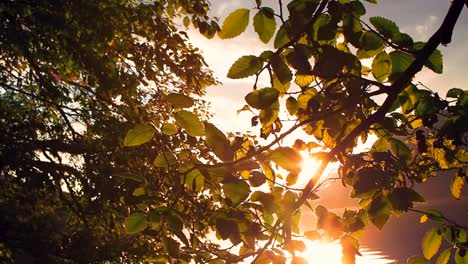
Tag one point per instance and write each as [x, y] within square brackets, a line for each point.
[423, 219]
[457, 187]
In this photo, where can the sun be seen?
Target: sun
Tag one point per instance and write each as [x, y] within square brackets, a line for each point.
[309, 167]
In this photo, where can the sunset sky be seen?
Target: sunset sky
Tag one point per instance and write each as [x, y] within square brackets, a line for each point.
[420, 19]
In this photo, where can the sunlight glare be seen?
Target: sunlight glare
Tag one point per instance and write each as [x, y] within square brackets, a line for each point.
[330, 253]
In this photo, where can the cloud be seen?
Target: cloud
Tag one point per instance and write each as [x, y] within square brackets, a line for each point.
[425, 30]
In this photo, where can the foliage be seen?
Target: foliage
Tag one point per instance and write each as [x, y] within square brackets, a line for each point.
[75, 76]
[113, 143]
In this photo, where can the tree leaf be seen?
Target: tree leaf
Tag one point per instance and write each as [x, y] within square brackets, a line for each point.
[291, 105]
[417, 260]
[179, 100]
[400, 62]
[218, 142]
[292, 177]
[281, 69]
[262, 98]
[381, 66]
[265, 24]
[444, 257]
[456, 187]
[435, 60]
[236, 191]
[281, 37]
[235, 23]
[286, 157]
[190, 122]
[165, 160]
[385, 26]
[135, 223]
[169, 129]
[244, 67]
[431, 243]
[454, 92]
[461, 256]
[400, 150]
[138, 135]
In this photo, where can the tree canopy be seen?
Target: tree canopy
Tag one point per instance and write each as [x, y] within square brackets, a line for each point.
[108, 154]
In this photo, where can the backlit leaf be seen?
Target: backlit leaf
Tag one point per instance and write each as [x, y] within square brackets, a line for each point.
[244, 67]
[286, 157]
[381, 66]
[135, 223]
[457, 186]
[291, 105]
[262, 98]
[169, 129]
[179, 100]
[138, 135]
[400, 150]
[444, 257]
[264, 24]
[417, 260]
[235, 23]
[431, 243]
[165, 160]
[190, 122]
[236, 191]
[218, 142]
[461, 256]
[385, 26]
[400, 62]
[435, 60]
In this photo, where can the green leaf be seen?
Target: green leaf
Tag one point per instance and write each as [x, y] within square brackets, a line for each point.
[281, 37]
[286, 157]
[244, 67]
[400, 62]
[454, 92]
[190, 122]
[291, 105]
[461, 256]
[179, 100]
[135, 223]
[444, 257]
[165, 160]
[456, 187]
[371, 41]
[269, 115]
[218, 142]
[262, 98]
[264, 24]
[400, 150]
[236, 191]
[435, 61]
[235, 23]
[138, 135]
[381, 66]
[379, 211]
[169, 129]
[385, 26]
[417, 260]
[431, 243]
[403, 40]
[281, 69]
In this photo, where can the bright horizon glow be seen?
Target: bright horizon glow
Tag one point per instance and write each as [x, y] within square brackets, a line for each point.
[330, 253]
